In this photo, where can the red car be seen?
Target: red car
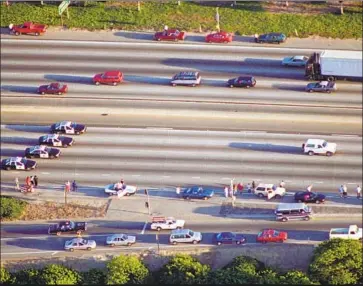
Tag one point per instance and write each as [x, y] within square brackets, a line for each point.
[53, 88]
[271, 235]
[170, 35]
[27, 28]
[109, 77]
[219, 37]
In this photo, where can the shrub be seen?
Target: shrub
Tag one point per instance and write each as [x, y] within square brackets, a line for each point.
[55, 274]
[27, 276]
[11, 208]
[93, 277]
[5, 276]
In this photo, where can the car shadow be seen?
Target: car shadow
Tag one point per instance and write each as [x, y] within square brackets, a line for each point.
[135, 35]
[19, 140]
[16, 88]
[39, 244]
[195, 38]
[4, 31]
[69, 78]
[28, 128]
[268, 63]
[7, 152]
[147, 79]
[267, 148]
[289, 87]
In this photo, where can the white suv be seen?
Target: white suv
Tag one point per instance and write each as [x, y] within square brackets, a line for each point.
[319, 146]
[269, 191]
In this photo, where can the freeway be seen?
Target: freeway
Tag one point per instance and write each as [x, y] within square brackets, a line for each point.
[31, 240]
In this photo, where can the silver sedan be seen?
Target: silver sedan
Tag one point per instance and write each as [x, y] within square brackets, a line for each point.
[79, 244]
[295, 61]
[120, 240]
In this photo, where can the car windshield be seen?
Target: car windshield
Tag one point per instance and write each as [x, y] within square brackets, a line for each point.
[71, 224]
[275, 233]
[124, 237]
[191, 233]
[325, 144]
[23, 160]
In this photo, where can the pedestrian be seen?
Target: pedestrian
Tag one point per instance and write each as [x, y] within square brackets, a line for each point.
[123, 185]
[309, 188]
[226, 191]
[32, 180]
[253, 185]
[74, 186]
[249, 190]
[282, 184]
[177, 191]
[240, 188]
[345, 191]
[341, 190]
[358, 190]
[234, 189]
[256, 37]
[35, 181]
[27, 181]
[68, 186]
[17, 187]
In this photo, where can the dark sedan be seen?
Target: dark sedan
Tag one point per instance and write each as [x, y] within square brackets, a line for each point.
[56, 140]
[271, 38]
[67, 227]
[42, 152]
[229, 238]
[197, 193]
[242, 81]
[309, 197]
[68, 127]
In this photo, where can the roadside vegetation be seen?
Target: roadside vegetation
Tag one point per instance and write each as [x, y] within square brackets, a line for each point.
[335, 262]
[11, 208]
[244, 19]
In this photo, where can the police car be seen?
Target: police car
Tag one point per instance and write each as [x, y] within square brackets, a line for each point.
[42, 152]
[56, 140]
[68, 127]
[18, 163]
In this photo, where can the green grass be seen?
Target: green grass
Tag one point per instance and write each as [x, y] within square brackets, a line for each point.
[11, 208]
[246, 19]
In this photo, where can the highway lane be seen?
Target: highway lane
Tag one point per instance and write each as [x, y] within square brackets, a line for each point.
[155, 157]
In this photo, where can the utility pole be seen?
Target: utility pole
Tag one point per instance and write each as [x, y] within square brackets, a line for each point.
[138, 6]
[65, 195]
[147, 204]
[217, 20]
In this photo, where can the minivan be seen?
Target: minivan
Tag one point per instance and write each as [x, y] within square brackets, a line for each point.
[185, 235]
[186, 78]
[293, 211]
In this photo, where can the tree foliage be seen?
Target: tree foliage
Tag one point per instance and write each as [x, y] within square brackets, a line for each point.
[55, 274]
[93, 276]
[27, 276]
[5, 276]
[126, 270]
[183, 269]
[11, 208]
[337, 262]
[296, 277]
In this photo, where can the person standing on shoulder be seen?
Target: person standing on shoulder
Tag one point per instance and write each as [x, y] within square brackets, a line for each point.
[282, 184]
[226, 191]
[35, 179]
[341, 190]
[177, 191]
[345, 191]
[74, 186]
[358, 190]
[309, 188]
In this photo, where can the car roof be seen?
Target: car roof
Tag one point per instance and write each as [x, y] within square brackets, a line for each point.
[187, 73]
[289, 206]
[275, 34]
[78, 239]
[324, 82]
[315, 141]
[269, 186]
[38, 147]
[180, 231]
[55, 84]
[245, 77]
[112, 73]
[299, 57]
[118, 235]
[14, 159]
[51, 136]
[63, 123]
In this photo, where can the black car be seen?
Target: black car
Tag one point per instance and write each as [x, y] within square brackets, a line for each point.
[309, 197]
[18, 163]
[196, 192]
[42, 152]
[229, 238]
[67, 227]
[56, 140]
[242, 81]
[68, 127]
[271, 38]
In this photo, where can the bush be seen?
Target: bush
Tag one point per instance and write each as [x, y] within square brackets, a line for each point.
[55, 274]
[5, 277]
[93, 277]
[11, 208]
[295, 277]
[27, 277]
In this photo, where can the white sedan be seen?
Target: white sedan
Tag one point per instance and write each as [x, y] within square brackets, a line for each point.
[295, 61]
[114, 189]
[79, 244]
[120, 240]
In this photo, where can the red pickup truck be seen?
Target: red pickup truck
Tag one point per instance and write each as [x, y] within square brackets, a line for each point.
[28, 28]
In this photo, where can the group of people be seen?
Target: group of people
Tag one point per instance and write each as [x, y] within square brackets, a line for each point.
[30, 183]
[233, 189]
[71, 187]
[343, 191]
[120, 185]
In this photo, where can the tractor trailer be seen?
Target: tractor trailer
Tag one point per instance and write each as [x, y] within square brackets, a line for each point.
[331, 65]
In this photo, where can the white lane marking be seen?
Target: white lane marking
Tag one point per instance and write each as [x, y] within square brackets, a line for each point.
[31, 252]
[351, 183]
[45, 173]
[318, 182]
[76, 174]
[166, 176]
[195, 177]
[105, 175]
[225, 178]
[143, 229]
[55, 252]
[159, 128]
[135, 175]
[254, 132]
[346, 135]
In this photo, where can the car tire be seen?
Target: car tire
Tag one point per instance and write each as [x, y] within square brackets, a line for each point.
[112, 245]
[97, 83]
[58, 233]
[65, 146]
[71, 249]
[158, 228]
[306, 218]
[114, 83]
[219, 243]
[158, 39]
[247, 86]
[310, 90]
[127, 194]
[329, 154]
[195, 241]
[36, 34]
[175, 40]
[205, 198]
[238, 242]
[89, 248]
[28, 169]
[173, 84]
[187, 198]
[278, 196]
[7, 168]
[174, 243]
[310, 153]
[231, 85]
[42, 93]
[59, 93]
[79, 232]
[260, 195]
[193, 85]
[330, 78]
[51, 157]
[77, 132]
[17, 33]
[328, 91]
[284, 219]
[281, 240]
[129, 244]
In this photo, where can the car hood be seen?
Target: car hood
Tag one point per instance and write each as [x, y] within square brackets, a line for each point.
[262, 36]
[54, 151]
[332, 147]
[208, 192]
[43, 87]
[232, 80]
[311, 85]
[79, 127]
[97, 76]
[30, 163]
[66, 140]
[158, 34]
[180, 222]
[286, 60]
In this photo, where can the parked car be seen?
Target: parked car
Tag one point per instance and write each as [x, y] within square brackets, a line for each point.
[219, 37]
[53, 88]
[295, 61]
[39, 151]
[269, 191]
[79, 244]
[56, 140]
[108, 77]
[67, 226]
[309, 197]
[242, 81]
[160, 222]
[229, 238]
[322, 86]
[271, 38]
[115, 189]
[185, 236]
[68, 127]
[18, 163]
[196, 192]
[319, 146]
[271, 235]
[28, 28]
[120, 240]
[186, 78]
[351, 232]
[170, 35]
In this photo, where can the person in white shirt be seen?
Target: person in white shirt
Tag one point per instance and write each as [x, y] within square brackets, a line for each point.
[177, 191]
[358, 190]
[309, 188]
[282, 184]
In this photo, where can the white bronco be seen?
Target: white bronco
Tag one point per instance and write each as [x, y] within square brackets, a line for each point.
[269, 191]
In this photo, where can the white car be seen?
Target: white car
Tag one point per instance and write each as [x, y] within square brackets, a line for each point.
[120, 240]
[319, 146]
[159, 223]
[295, 61]
[79, 244]
[351, 232]
[115, 189]
[269, 191]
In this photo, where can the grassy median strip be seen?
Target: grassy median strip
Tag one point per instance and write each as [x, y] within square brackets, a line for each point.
[244, 19]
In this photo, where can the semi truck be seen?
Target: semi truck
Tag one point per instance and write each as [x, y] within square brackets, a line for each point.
[332, 65]
[351, 232]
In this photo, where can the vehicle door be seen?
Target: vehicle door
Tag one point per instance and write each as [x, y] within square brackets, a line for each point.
[294, 214]
[169, 225]
[20, 166]
[320, 149]
[23, 29]
[13, 165]
[82, 245]
[270, 193]
[56, 142]
[120, 241]
[68, 129]
[227, 238]
[194, 194]
[42, 154]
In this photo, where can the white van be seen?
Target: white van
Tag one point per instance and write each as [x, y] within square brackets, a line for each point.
[293, 211]
[186, 78]
[319, 146]
[185, 235]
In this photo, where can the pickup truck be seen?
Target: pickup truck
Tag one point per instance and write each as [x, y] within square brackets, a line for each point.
[159, 223]
[27, 28]
[269, 191]
[67, 227]
[352, 232]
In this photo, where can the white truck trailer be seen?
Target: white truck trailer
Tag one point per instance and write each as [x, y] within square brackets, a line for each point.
[332, 64]
[351, 232]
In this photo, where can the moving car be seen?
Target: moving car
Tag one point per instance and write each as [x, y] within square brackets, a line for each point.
[196, 192]
[271, 38]
[120, 240]
[229, 238]
[53, 88]
[269, 191]
[67, 226]
[271, 235]
[323, 86]
[18, 163]
[242, 81]
[170, 35]
[115, 189]
[42, 152]
[219, 37]
[295, 61]
[185, 236]
[56, 140]
[309, 197]
[28, 28]
[293, 211]
[68, 127]
[108, 77]
[79, 244]
[159, 223]
[186, 78]
[352, 232]
[320, 147]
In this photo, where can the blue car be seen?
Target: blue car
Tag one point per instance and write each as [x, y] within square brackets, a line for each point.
[229, 238]
[271, 38]
[197, 193]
